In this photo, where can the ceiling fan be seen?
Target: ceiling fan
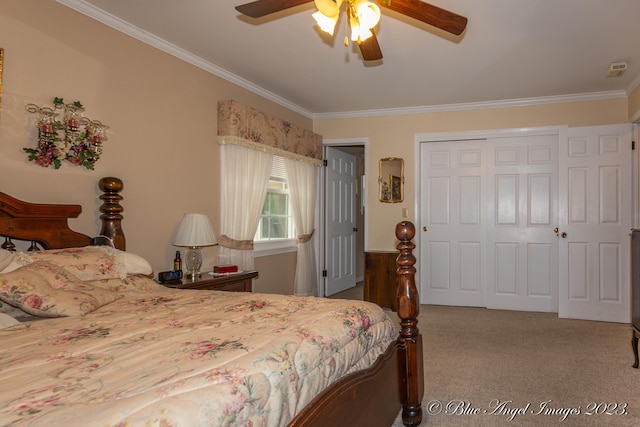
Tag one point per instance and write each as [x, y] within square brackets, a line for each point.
[359, 13]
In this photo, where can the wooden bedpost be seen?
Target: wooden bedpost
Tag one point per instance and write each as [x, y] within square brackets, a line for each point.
[111, 211]
[408, 310]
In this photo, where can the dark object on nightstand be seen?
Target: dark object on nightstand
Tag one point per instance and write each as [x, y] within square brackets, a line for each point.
[170, 276]
[238, 282]
[381, 278]
[635, 293]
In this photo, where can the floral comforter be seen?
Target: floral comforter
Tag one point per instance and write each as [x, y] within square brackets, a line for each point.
[185, 358]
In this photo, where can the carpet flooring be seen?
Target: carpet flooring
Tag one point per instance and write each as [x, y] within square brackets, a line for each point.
[510, 368]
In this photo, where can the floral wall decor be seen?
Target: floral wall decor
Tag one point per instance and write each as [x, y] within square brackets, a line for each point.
[64, 134]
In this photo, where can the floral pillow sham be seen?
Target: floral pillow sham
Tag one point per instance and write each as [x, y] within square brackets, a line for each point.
[46, 289]
[128, 284]
[87, 263]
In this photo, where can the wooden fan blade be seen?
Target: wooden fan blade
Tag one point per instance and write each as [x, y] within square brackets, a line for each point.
[370, 48]
[429, 14]
[260, 8]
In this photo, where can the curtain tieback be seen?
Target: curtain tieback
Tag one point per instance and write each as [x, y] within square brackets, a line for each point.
[304, 238]
[241, 245]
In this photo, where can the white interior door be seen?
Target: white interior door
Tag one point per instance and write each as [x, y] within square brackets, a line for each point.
[340, 231]
[452, 249]
[522, 211]
[595, 221]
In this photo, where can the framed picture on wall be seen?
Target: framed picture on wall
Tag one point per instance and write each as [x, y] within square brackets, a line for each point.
[396, 188]
[391, 179]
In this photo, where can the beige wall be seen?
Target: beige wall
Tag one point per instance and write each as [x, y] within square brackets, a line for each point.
[394, 136]
[162, 140]
[162, 115]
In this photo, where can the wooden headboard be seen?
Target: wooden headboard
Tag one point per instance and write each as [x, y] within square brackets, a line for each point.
[47, 225]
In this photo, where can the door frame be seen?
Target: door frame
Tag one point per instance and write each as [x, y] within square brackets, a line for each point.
[461, 136]
[320, 219]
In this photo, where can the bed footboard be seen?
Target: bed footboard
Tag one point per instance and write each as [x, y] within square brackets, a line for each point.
[374, 396]
[369, 397]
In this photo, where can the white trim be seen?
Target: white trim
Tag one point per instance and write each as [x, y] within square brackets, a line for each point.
[274, 247]
[635, 174]
[483, 134]
[634, 84]
[519, 102]
[152, 40]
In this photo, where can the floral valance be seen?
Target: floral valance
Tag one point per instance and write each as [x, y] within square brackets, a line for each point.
[243, 125]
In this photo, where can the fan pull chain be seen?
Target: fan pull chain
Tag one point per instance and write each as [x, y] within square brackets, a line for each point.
[346, 31]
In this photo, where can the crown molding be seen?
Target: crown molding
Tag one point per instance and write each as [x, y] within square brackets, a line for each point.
[520, 102]
[137, 33]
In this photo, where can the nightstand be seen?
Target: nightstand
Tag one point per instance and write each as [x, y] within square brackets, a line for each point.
[381, 278]
[236, 282]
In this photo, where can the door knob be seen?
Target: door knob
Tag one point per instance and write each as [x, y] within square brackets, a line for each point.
[557, 231]
[355, 229]
[425, 228]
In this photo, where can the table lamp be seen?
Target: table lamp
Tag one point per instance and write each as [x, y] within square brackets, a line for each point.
[194, 232]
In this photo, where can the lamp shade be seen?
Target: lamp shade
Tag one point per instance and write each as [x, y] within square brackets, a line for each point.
[195, 230]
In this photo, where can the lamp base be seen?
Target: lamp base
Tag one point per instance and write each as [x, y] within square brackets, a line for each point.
[193, 262]
[193, 276]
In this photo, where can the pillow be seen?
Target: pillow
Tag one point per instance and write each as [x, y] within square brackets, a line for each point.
[129, 284]
[5, 258]
[46, 289]
[134, 264]
[87, 263]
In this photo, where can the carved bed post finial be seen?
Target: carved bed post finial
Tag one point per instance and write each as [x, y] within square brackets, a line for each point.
[408, 309]
[111, 211]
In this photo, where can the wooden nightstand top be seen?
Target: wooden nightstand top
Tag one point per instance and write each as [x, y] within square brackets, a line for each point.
[236, 282]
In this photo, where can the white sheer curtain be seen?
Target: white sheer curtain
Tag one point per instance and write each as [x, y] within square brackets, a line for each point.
[244, 180]
[302, 188]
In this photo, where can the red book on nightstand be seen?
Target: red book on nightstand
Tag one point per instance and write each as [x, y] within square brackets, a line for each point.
[225, 268]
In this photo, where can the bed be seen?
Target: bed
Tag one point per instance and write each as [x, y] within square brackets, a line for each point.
[90, 339]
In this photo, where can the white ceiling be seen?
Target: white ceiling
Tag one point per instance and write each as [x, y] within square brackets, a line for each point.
[513, 52]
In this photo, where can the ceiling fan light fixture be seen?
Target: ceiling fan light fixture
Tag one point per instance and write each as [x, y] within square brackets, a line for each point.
[326, 23]
[368, 14]
[328, 8]
[359, 33]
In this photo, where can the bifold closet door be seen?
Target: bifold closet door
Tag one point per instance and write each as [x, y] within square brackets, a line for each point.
[452, 238]
[488, 210]
[522, 211]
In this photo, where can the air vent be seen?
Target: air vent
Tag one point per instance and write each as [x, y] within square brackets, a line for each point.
[616, 69]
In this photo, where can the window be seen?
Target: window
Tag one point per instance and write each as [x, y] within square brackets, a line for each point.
[276, 221]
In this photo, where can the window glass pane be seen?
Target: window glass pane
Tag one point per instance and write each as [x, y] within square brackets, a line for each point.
[275, 221]
[264, 228]
[279, 204]
[278, 229]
